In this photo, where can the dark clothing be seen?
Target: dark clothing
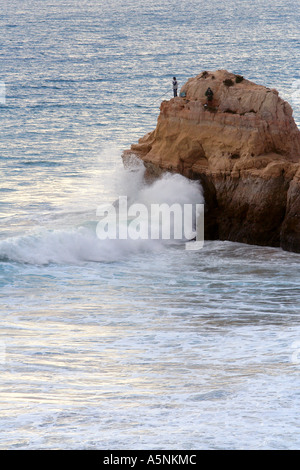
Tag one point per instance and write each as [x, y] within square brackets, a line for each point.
[175, 87]
[209, 93]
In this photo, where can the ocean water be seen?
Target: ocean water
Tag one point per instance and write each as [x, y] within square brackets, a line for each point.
[123, 344]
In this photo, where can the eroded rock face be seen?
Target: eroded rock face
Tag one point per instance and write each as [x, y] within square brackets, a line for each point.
[244, 148]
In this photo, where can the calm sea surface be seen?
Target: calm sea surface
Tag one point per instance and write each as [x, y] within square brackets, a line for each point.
[121, 344]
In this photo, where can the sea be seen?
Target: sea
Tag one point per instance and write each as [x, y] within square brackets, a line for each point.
[134, 344]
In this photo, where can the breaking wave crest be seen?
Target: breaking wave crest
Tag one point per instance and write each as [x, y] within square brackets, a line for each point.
[75, 246]
[81, 244]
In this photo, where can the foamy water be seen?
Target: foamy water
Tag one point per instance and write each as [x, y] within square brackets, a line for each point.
[134, 344]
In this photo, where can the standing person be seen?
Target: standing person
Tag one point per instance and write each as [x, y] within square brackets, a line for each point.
[175, 86]
[209, 94]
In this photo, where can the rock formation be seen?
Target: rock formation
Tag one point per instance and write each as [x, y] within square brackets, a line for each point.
[243, 146]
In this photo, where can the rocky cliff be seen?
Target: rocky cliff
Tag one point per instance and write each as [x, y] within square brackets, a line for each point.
[243, 146]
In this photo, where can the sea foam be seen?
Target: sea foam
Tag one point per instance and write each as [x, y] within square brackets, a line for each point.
[80, 244]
